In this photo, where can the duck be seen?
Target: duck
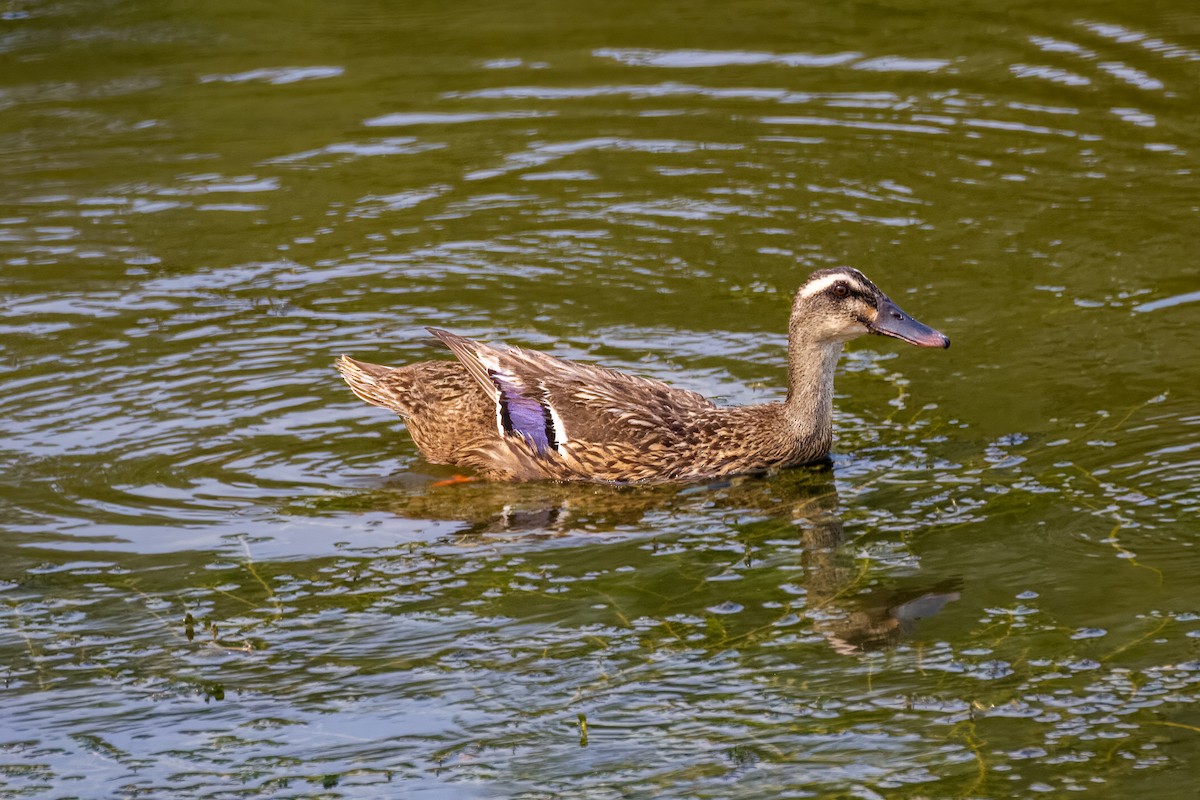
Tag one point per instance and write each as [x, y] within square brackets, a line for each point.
[516, 414]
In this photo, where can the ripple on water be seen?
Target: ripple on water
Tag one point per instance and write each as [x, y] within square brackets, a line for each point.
[655, 687]
[224, 575]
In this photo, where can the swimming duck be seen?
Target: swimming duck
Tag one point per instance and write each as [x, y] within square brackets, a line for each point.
[513, 414]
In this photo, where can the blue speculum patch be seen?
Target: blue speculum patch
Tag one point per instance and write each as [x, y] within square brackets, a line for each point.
[523, 415]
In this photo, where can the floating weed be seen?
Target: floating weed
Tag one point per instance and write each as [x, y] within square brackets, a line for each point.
[258, 578]
[1126, 554]
[33, 653]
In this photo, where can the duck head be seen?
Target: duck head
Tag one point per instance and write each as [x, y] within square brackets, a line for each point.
[840, 304]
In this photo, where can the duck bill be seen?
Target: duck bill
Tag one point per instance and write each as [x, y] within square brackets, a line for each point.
[891, 321]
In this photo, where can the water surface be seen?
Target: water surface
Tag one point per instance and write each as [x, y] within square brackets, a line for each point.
[222, 575]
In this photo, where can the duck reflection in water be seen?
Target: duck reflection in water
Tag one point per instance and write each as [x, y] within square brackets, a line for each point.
[853, 611]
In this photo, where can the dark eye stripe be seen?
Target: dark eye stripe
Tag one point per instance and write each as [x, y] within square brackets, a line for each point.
[852, 290]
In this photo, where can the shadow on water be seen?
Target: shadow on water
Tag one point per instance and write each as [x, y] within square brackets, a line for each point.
[847, 604]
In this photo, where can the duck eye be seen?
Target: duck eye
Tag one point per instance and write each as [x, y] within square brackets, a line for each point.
[841, 290]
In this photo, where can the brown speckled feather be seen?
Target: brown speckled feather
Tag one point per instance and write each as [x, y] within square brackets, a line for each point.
[524, 415]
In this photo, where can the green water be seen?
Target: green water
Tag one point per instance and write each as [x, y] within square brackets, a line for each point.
[223, 576]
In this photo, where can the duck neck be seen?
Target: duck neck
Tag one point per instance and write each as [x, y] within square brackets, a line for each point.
[809, 406]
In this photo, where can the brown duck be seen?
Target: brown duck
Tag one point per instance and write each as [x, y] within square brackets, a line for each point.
[516, 414]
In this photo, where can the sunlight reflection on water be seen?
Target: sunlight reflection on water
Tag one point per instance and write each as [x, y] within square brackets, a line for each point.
[224, 576]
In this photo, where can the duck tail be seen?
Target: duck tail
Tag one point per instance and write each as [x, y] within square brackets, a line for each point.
[367, 381]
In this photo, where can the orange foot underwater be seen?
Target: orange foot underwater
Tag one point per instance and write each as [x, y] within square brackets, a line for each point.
[454, 480]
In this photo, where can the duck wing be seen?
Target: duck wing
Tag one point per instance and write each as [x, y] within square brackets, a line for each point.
[567, 408]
